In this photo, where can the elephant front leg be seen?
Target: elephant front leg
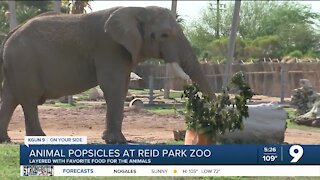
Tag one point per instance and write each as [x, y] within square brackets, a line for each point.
[115, 92]
[113, 133]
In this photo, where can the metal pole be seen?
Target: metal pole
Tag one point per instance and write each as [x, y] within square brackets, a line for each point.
[57, 6]
[174, 8]
[232, 41]
[282, 83]
[166, 92]
[12, 14]
[218, 20]
[151, 87]
[70, 100]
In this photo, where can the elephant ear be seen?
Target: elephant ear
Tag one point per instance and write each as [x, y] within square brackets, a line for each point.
[123, 26]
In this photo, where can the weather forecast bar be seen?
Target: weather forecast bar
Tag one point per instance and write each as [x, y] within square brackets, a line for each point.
[165, 170]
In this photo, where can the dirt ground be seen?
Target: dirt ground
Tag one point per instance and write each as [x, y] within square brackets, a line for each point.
[138, 126]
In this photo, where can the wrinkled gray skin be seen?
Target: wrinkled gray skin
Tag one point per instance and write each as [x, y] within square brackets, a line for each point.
[58, 54]
[5, 40]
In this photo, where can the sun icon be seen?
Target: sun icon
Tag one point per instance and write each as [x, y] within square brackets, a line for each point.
[175, 171]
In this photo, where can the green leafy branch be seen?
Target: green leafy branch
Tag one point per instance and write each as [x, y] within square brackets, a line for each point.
[225, 113]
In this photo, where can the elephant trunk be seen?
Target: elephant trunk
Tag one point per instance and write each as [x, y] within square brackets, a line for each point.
[190, 64]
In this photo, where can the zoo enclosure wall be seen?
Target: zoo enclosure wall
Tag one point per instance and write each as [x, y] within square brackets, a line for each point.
[263, 78]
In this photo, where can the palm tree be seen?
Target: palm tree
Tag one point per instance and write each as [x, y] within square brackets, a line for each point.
[79, 6]
[75, 6]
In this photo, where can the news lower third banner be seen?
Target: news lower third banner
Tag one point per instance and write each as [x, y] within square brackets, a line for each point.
[167, 160]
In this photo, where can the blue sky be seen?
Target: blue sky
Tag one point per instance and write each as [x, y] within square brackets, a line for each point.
[189, 10]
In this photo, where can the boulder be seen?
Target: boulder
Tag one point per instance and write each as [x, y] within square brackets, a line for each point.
[311, 118]
[95, 94]
[304, 97]
[66, 99]
[266, 124]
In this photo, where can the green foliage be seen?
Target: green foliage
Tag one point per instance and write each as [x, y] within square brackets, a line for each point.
[298, 37]
[295, 53]
[199, 36]
[312, 54]
[24, 11]
[224, 114]
[284, 14]
[164, 110]
[218, 48]
[270, 45]
[29, 8]
[41, 6]
[267, 29]
[4, 24]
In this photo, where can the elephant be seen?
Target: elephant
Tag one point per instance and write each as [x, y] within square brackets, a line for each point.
[63, 54]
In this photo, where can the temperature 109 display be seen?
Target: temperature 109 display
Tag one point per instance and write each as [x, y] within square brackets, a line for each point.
[269, 158]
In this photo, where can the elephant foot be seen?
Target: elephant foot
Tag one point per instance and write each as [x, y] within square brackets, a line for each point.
[112, 137]
[39, 133]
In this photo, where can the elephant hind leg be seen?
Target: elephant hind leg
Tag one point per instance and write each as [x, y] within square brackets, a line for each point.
[8, 106]
[32, 123]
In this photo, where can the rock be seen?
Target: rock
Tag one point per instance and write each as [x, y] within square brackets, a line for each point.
[51, 102]
[311, 118]
[316, 123]
[304, 97]
[266, 124]
[305, 83]
[95, 94]
[304, 120]
[136, 104]
[65, 99]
